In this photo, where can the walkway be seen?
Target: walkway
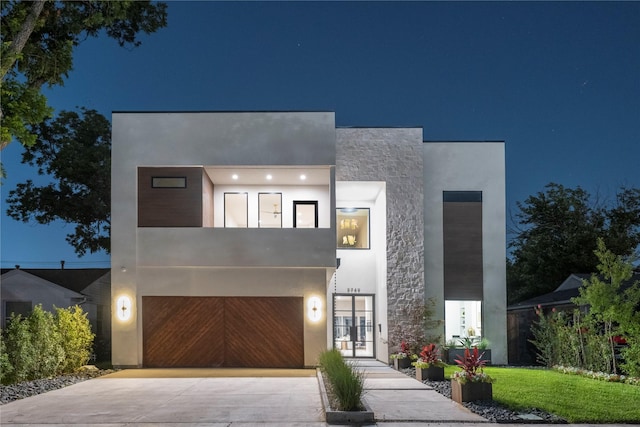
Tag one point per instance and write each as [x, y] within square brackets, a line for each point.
[395, 397]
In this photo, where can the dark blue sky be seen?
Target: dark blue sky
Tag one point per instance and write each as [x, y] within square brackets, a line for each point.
[559, 82]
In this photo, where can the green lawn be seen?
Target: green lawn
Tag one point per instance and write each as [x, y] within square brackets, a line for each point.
[574, 398]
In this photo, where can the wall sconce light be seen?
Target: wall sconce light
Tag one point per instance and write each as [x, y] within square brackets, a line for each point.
[123, 308]
[314, 309]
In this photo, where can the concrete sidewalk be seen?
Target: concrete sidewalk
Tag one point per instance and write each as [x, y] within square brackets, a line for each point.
[395, 397]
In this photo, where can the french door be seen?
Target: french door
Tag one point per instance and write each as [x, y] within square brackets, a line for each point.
[353, 325]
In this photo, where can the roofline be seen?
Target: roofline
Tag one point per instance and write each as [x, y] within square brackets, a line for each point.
[215, 111]
[380, 127]
[464, 141]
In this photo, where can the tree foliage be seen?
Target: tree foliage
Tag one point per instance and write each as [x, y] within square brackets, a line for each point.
[76, 336]
[420, 326]
[42, 345]
[38, 39]
[614, 304]
[556, 234]
[75, 149]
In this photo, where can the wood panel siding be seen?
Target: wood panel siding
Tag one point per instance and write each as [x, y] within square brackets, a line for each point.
[258, 332]
[170, 207]
[463, 272]
[183, 332]
[264, 332]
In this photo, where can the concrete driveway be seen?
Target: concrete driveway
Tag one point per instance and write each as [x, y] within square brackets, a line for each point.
[187, 398]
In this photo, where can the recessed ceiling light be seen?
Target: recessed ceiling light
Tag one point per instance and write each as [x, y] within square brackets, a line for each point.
[269, 177]
[234, 176]
[303, 177]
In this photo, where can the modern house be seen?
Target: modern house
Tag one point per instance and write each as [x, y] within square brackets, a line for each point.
[90, 288]
[259, 239]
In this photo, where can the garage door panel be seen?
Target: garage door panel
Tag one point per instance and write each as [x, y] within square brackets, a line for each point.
[264, 332]
[183, 332]
[257, 332]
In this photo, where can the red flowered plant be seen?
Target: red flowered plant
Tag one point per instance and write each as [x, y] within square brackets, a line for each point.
[429, 356]
[405, 351]
[620, 340]
[430, 353]
[471, 364]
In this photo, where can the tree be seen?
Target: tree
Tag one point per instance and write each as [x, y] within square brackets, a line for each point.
[556, 233]
[614, 304]
[76, 150]
[38, 38]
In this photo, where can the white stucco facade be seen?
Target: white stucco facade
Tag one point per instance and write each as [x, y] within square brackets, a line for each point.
[470, 166]
[389, 173]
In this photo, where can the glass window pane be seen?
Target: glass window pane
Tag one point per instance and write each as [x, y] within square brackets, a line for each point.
[270, 210]
[352, 226]
[169, 182]
[235, 210]
[463, 319]
[305, 214]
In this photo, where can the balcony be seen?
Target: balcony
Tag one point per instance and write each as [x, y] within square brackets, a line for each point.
[236, 247]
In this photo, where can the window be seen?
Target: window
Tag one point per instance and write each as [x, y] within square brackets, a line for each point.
[236, 214]
[169, 182]
[352, 226]
[462, 319]
[270, 210]
[305, 214]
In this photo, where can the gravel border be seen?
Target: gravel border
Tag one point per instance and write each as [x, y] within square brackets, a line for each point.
[13, 392]
[492, 410]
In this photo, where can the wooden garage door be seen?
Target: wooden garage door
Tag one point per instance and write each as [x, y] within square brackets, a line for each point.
[256, 332]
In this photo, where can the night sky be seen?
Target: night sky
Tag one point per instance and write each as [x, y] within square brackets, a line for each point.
[559, 82]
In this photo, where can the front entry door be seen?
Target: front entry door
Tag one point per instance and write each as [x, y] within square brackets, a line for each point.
[353, 325]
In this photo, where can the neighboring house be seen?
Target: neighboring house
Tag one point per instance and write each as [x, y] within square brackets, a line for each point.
[22, 289]
[520, 316]
[261, 238]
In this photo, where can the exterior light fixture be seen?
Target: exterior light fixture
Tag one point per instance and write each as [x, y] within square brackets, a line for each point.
[269, 177]
[123, 308]
[303, 177]
[314, 309]
[234, 176]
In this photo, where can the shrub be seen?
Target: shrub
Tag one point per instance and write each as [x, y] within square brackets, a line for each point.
[5, 364]
[545, 338]
[77, 338]
[416, 326]
[47, 344]
[19, 349]
[347, 383]
[42, 345]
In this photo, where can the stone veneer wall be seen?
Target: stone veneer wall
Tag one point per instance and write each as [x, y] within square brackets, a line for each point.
[393, 155]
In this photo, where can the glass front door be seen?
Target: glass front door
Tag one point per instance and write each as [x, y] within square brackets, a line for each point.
[353, 325]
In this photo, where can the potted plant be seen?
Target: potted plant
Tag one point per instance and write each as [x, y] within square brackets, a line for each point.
[471, 383]
[454, 349]
[402, 359]
[429, 366]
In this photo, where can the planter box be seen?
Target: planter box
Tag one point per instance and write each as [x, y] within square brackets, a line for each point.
[432, 373]
[469, 392]
[450, 355]
[333, 416]
[402, 363]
